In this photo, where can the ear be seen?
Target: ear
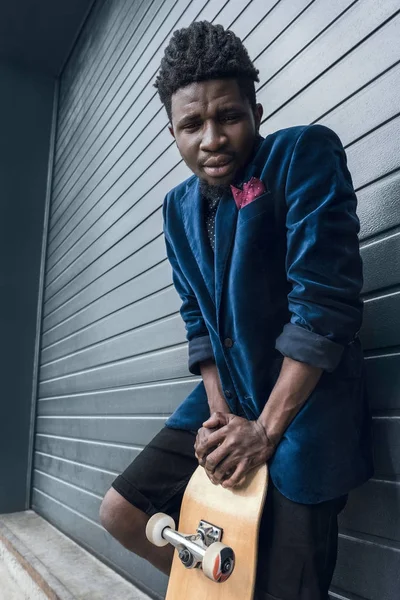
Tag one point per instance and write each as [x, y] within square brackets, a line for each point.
[171, 130]
[258, 113]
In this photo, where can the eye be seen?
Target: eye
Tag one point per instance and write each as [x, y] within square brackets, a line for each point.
[192, 126]
[229, 118]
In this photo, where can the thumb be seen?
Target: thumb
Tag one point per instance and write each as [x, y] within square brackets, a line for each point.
[215, 421]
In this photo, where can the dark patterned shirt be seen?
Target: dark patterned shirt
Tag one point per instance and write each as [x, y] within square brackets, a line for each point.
[211, 211]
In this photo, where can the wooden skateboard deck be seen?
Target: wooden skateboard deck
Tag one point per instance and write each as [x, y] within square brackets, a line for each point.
[238, 512]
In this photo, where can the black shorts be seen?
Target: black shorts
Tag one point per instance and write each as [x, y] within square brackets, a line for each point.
[298, 542]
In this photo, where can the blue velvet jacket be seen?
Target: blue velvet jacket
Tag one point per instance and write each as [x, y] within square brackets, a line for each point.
[285, 280]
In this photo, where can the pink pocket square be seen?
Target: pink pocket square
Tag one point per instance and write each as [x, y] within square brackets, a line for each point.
[250, 192]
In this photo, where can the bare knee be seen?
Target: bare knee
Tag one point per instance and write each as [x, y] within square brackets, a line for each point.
[109, 510]
[122, 520]
[127, 524]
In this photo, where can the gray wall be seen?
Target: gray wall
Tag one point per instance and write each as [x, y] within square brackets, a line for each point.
[26, 102]
[113, 360]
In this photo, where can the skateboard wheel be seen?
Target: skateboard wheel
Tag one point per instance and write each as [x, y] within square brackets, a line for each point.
[155, 527]
[218, 562]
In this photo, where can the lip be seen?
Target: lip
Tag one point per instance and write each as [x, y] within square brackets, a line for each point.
[219, 167]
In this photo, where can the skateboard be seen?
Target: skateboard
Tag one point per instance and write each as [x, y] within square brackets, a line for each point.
[217, 541]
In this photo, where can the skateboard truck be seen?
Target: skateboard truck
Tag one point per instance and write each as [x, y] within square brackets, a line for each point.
[202, 549]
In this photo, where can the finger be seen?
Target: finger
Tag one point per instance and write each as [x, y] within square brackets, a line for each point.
[210, 477]
[198, 440]
[203, 449]
[225, 469]
[202, 461]
[213, 440]
[201, 453]
[209, 443]
[212, 422]
[196, 451]
[199, 443]
[216, 420]
[213, 459]
[227, 466]
[237, 478]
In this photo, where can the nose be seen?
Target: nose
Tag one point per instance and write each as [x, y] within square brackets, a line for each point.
[213, 138]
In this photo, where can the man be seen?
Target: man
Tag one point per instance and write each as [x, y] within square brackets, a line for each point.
[263, 245]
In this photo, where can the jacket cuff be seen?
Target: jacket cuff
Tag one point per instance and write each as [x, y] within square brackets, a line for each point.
[309, 347]
[200, 349]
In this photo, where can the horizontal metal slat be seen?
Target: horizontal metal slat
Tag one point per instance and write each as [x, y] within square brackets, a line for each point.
[375, 155]
[129, 84]
[374, 509]
[153, 399]
[367, 568]
[85, 503]
[336, 41]
[133, 207]
[147, 231]
[386, 437]
[154, 336]
[83, 50]
[157, 306]
[166, 364]
[381, 263]
[383, 381]
[119, 300]
[114, 33]
[157, 398]
[118, 430]
[114, 279]
[303, 33]
[112, 457]
[336, 594]
[94, 480]
[381, 327]
[332, 91]
[100, 19]
[262, 24]
[112, 181]
[118, 85]
[379, 205]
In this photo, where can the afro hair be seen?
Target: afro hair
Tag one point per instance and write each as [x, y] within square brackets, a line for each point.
[201, 52]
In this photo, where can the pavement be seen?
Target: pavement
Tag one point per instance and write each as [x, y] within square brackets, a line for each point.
[15, 581]
[9, 589]
[38, 562]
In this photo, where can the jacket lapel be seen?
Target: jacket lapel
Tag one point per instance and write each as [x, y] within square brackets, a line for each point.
[225, 225]
[193, 217]
[225, 228]
[212, 266]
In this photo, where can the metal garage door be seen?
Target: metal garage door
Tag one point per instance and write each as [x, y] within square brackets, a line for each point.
[113, 358]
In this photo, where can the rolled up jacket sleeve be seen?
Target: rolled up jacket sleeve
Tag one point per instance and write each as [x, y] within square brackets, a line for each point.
[200, 348]
[323, 262]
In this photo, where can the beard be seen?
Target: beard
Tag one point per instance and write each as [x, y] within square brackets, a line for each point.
[213, 193]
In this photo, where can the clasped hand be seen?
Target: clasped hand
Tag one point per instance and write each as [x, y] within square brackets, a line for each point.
[228, 447]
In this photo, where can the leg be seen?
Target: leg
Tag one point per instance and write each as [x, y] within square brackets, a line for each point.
[127, 524]
[154, 482]
[298, 548]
